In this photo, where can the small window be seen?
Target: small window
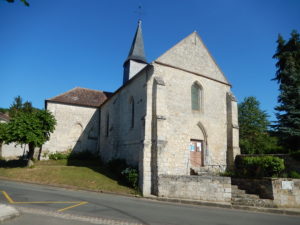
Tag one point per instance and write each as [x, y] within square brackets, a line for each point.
[196, 97]
[132, 112]
[107, 125]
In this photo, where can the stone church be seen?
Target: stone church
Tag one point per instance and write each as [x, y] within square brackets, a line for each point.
[173, 116]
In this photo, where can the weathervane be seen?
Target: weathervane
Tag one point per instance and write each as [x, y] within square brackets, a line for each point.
[140, 12]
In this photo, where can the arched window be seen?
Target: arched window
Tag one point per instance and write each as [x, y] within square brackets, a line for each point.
[196, 96]
[131, 103]
[107, 125]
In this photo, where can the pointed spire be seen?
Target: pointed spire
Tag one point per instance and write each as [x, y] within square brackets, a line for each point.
[137, 51]
[136, 59]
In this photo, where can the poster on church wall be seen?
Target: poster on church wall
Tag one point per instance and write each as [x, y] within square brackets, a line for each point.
[199, 146]
[192, 147]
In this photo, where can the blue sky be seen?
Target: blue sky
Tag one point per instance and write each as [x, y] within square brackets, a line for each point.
[55, 45]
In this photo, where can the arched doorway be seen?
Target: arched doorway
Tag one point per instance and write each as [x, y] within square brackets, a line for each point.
[196, 153]
[198, 146]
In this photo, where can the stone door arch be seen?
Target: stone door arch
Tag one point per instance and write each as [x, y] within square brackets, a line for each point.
[198, 147]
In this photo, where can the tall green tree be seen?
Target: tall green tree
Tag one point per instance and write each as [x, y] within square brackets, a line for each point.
[288, 78]
[18, 106]
[32, 128]
[253, 123]
[3, 129]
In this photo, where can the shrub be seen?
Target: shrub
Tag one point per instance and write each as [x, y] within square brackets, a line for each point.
[131, 175]
[259, 166]
[59, 155]
[124, 172]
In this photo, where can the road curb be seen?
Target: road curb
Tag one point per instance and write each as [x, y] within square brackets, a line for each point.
[190, 202]
[8, 212]
[284, 211]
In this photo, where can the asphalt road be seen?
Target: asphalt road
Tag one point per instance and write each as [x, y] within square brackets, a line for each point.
[62, 206]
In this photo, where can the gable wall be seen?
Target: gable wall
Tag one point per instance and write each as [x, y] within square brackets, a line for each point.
[179, 123]
[77, 128]
[191, 54]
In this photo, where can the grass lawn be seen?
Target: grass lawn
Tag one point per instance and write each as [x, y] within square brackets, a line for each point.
[75, 174]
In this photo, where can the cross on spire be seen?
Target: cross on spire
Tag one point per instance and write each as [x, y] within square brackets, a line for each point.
[139, 12]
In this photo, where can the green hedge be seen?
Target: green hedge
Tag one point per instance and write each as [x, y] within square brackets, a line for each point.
[259, 166]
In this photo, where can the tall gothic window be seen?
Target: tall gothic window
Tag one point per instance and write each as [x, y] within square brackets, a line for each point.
[131, 112]
[196, 95]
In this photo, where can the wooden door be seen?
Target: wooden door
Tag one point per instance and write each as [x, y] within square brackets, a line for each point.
[196, 153]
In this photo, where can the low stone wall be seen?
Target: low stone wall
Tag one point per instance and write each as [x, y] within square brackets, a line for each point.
[205, 188]
[261, 187]
[285, 192]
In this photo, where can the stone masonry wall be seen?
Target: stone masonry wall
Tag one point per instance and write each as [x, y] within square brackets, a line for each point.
[170, 121]
[285, 192]
[120, 139]
[12, 150]
[77, 128]
[177, 123]
[205, 188]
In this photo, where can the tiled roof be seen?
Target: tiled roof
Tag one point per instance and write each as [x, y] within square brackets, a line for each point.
[82, 96]
[4, 117]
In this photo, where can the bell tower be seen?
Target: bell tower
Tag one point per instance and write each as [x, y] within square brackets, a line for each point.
[136, 59]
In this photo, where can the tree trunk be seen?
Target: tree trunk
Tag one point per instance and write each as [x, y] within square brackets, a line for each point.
[1, 142]
[40, 153]
[31, 147]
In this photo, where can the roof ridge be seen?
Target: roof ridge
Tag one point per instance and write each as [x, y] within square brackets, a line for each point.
[81, 96]
[88, 89]
[73, 90]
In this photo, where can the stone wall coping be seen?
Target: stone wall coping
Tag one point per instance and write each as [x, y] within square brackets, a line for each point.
[194, 177]
[268, 179]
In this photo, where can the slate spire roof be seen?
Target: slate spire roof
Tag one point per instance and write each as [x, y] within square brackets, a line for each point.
[137, 51]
